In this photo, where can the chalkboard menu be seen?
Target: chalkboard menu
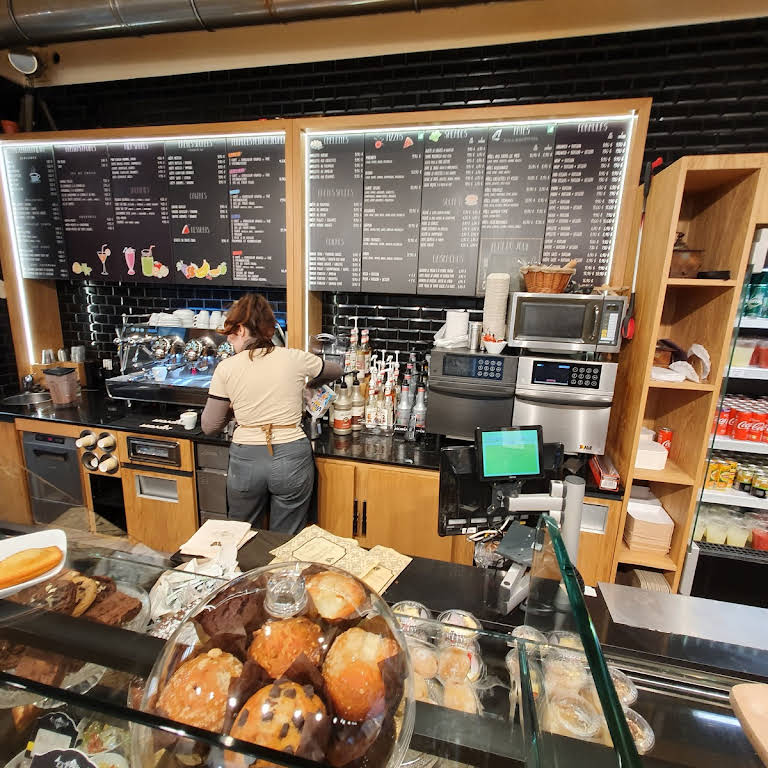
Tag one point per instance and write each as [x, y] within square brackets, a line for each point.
[199, 209]
[256, 167]
[584, 196]
[335, 215]
[37, 219]
[85, 190]
[517, 177]
[140, 194]
[391, 211]
[451, 206]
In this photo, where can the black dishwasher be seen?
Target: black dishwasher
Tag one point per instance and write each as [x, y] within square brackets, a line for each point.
[53, 475]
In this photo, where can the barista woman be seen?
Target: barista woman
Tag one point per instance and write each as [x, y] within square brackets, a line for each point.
[270, 458]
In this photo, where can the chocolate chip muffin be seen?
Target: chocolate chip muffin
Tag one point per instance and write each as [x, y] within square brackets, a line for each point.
[278, 715]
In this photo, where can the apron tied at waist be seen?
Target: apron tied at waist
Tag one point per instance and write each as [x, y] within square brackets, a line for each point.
[267, 430]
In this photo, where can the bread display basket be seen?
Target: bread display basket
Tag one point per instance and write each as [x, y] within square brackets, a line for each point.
[541, 278]
[300, 658]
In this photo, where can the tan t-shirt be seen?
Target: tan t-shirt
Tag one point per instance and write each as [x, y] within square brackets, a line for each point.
[266, 390]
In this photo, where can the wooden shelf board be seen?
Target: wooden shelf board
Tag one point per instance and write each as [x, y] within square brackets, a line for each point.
[696, 282]
[742, 446]
[670, 474]
[656, 560]
[690, 386]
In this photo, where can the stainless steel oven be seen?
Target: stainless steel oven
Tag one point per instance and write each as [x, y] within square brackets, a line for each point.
[571, 400]
[468, 390]
[566, 322]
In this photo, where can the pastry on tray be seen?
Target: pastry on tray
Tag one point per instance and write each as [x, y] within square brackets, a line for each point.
[278, 643]
[197, 692]
[28, 564]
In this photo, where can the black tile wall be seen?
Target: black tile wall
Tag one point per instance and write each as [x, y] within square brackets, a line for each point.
[709, 85]
[91, 311]
[9, 383]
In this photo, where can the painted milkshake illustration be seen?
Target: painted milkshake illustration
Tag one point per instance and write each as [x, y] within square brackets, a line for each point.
[130, 259]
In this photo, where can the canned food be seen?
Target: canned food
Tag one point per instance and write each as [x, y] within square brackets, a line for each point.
[760, 485]
[664, 436]
[713, 473]
[727, 476]
[742, 424]
[744, 478]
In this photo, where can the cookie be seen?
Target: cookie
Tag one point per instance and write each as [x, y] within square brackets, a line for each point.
[87, 589]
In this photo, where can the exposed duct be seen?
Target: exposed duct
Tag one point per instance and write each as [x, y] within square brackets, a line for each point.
[39, 22]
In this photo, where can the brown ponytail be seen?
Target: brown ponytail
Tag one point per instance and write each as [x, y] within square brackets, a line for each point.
[253, 312]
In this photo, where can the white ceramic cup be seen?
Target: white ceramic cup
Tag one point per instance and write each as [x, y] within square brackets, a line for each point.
[188, 419]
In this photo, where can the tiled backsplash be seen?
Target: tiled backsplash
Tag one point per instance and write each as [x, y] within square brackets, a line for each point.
[91, 311]
[395, 322]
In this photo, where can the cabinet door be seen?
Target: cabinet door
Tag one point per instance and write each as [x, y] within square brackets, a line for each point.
[336, 497]
[13, 477]
[399, 510]
[160, 510]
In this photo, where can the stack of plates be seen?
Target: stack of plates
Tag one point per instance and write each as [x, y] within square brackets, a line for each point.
[186, 317]
[648, 525]
[495, 305]
[652, 581]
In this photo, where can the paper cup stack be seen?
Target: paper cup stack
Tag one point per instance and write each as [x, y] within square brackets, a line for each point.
[495, 306]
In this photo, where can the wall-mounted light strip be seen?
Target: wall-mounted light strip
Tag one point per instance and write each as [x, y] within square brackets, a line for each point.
[140, 139]
[17, 266]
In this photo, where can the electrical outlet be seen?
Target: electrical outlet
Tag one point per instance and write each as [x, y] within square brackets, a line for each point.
[107, 363]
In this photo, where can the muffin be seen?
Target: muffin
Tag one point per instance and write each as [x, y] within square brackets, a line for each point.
[335, 595]
[197, 692]
[275, 717]
[352, 674]
[277, 644]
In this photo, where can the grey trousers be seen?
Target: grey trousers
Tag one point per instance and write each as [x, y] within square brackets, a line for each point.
[281, 483]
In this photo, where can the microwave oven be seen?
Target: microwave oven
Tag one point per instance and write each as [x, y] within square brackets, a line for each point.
[565, 322]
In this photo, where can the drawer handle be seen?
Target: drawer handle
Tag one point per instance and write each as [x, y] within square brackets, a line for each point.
[365, 518]
[354, 518]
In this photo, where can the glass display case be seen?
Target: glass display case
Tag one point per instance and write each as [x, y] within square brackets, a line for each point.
[731, 521]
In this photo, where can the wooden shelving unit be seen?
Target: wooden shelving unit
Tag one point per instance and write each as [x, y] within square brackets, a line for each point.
[717, 202]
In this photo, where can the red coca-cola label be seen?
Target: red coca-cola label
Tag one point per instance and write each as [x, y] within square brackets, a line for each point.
[743, 426]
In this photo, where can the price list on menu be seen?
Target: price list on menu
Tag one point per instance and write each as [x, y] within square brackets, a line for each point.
[335, 216]
[451, 208]
[85, 190]
[517, 176]
[256, 168]
[391, 211]
[140, 194]
[199, 209]
[584, 197]
[37, 219]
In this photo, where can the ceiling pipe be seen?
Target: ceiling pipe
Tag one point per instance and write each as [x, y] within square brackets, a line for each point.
[41, 22]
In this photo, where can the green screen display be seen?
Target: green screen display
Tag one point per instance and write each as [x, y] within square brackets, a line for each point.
[511, 453]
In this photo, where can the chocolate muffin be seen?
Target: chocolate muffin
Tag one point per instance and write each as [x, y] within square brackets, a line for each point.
[277, 644]
[279, 715]
[197, 692]
[352, 675]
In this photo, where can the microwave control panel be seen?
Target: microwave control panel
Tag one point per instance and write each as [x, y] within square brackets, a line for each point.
[486, 367]
[559, 374]
[610, 322]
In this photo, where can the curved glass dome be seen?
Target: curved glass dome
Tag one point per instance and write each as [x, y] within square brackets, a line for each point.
[300, 658]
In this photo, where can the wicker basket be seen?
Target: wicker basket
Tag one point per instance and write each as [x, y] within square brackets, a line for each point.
[546, 279]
